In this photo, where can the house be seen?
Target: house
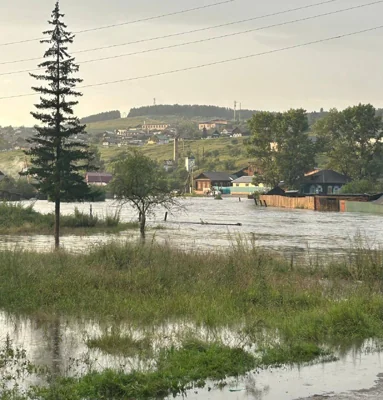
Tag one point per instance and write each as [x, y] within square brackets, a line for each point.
[154, 127]
[236, 133]
[162, 139]
[250, 170]
[189, 163]
[215, 124]
[168, 165]
[206, 125]
[206, 180]
[325, 181]
[216, 135]
[245, 185]
[98, 178]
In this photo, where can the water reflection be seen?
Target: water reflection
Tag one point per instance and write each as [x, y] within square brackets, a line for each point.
[290, 231]
[60, 344]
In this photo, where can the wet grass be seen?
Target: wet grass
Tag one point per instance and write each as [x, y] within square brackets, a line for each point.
[153, 284]
[126, 345]
[176, 371]
[299, 352]
[293, 312]
[18, 219]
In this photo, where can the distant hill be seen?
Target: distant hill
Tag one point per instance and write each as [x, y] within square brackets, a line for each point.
[189, 111]
[125, 123]
[104, 116]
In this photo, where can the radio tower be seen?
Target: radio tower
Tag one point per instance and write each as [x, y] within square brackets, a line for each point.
[235, 110]
[154, 102]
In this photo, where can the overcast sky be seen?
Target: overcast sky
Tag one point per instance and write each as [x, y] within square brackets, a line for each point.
[331, 74]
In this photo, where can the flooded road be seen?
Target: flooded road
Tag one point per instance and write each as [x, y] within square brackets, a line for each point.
[293, 231]
[61, 346]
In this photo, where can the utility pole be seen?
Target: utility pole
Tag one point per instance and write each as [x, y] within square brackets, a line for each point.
[239, 114]
[176, 148]
[235, 110]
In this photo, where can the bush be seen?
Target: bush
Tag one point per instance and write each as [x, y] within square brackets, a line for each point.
[235, 151]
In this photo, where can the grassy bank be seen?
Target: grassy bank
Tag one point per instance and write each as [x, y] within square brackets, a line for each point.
[246, 285]
[293, 313]
[19, 219]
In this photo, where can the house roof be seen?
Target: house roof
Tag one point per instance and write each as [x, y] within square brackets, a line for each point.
[244, 179]
[98, 177]
[277, 191]
[326, 176]
[215, 176]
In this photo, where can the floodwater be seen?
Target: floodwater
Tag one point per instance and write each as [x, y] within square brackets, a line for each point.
[61, 346]
[290, 231]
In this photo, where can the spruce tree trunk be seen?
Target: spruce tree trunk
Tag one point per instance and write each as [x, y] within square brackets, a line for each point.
[58, 155]
[142, 226]
[57, 223]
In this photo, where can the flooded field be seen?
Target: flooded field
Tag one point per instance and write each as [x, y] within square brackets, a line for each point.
[61, 347]
[293, 231]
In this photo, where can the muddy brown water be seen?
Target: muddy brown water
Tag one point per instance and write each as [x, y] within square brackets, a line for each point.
[286, 230]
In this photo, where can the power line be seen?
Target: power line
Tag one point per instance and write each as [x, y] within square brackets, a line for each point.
[99, 28]
[209, 39]
[195, 67]
[183, 33]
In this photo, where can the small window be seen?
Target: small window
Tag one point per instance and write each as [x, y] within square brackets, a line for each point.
[237, 184]
[247, 185]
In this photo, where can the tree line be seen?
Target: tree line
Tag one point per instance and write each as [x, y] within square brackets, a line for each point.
[189, 111]
[104, 116]
[285, 147]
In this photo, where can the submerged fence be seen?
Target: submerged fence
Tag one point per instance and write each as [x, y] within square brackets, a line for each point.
[305, 203]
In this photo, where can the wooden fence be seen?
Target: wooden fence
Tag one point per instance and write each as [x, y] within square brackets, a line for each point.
[306, 203]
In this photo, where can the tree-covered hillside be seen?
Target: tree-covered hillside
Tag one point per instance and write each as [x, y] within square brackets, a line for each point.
[104, 116]
[189, 111]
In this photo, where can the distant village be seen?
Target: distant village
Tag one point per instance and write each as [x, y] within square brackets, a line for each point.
[162, 133]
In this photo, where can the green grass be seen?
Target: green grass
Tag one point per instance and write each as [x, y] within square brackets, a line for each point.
[12, 162]
[177, 370]
[125, 123]
[165, 152]
[292, 313]
[18, 219]
[152, 284]
[126, 345]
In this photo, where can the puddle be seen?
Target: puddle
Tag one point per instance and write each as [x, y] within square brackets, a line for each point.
[356, 370]
[61, 346]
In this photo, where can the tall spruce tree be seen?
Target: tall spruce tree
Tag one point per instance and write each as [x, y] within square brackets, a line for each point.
[58, 158]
